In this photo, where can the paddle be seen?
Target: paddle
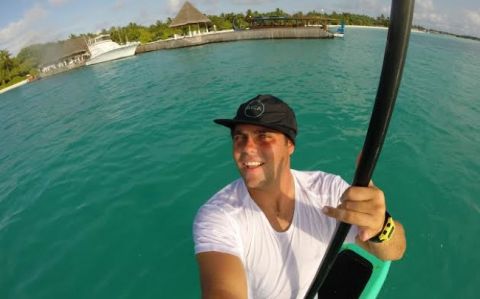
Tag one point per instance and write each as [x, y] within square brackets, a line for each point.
[401, 14]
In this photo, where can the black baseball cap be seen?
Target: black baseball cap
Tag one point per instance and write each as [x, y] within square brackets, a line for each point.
[266, 111]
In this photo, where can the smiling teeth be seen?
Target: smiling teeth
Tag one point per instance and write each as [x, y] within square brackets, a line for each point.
[253, 164]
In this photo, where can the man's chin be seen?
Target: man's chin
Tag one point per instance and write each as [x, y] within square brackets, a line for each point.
[252, 183]
[253, 179]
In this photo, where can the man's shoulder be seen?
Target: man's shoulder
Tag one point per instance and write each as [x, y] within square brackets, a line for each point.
[229, 198]
[317, 180]
[216, 225]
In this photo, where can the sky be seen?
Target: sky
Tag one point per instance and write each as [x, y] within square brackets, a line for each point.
[26, 22]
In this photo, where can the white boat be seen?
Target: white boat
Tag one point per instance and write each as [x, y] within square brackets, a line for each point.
[103, 49]
[340, 30]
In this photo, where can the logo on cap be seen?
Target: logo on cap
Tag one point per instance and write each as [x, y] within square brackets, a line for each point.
[254, 109]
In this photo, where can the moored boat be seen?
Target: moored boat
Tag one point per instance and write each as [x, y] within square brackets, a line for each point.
[103, 49]
[340, 30]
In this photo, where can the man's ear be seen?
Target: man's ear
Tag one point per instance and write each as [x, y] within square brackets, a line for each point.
[291, 146]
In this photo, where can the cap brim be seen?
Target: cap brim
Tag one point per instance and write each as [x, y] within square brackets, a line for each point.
[225, 122]
[230, 123]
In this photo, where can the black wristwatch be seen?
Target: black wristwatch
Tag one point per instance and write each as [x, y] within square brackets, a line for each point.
[387, 231]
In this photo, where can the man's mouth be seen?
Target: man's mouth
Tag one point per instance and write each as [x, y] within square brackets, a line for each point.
[252, 164]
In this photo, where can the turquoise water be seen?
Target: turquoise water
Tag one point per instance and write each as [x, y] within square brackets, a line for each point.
[102, 169]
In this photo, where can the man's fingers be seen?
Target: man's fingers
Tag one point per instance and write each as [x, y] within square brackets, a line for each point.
[347, 216]
[363, 207]
[366, 207]
[362, 193]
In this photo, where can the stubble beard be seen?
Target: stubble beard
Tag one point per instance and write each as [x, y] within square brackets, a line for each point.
[264, 181]
[254, 182]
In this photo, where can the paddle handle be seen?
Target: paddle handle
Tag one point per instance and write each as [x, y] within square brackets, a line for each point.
[401, 14]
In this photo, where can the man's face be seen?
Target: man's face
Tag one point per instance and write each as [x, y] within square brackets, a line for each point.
[262, 155]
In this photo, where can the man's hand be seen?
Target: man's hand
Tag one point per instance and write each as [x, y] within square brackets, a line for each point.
[363, 207]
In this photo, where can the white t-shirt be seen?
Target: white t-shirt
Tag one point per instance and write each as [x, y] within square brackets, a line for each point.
[277, 264]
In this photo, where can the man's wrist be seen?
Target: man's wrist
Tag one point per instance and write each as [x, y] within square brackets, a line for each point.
[387, 230]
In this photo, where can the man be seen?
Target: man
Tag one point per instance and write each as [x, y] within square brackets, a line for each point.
[264, 235]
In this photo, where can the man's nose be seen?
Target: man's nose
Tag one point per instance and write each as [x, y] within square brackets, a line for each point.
[250, 144]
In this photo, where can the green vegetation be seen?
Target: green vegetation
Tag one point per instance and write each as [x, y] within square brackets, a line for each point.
[143, 34]
[15, 69]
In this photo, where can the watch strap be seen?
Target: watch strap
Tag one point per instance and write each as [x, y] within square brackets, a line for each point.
[387, 231]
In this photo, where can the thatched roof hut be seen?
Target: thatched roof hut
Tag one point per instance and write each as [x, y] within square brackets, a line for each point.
[55, 52]
[189, 15]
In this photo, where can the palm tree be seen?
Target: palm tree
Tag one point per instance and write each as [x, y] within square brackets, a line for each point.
[6, 65]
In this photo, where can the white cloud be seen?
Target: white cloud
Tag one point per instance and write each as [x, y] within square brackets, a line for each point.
[375, 6]
[368, 7]
[174, 6]
[473, 17]
[252, 2]
[119, 5]
[144, 16]
[470, 24]
[425, 13]
[57, 2]
[25, 31]
[424, 5]
[454, 21]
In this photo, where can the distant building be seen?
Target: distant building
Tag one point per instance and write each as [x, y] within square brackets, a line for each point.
[282, 22]
[189, 15]
[64, 55]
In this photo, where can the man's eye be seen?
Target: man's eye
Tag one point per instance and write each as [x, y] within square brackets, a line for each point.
[237, 137]
[264, 136]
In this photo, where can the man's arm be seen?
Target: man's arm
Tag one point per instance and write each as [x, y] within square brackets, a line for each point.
[222, 275]
[365, 207]
[392, 249]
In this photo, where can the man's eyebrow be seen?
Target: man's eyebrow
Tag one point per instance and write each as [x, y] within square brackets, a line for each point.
[266, 130]
[236, 132]
[259, 131]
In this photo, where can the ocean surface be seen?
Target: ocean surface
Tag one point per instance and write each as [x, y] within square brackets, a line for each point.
[102, 169]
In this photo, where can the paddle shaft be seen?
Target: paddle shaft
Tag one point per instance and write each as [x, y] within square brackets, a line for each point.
[401, 14]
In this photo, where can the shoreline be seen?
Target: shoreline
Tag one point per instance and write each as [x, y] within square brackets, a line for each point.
[16, 85]
[366, 27]
[415, 30]
[360, 26]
